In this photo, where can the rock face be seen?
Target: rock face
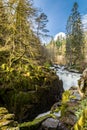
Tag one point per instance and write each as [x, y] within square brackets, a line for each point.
[49, 124]
[7, 120]
[83, 84]
[64, 112]
[69, 114]
[26, 105]
[67, 120]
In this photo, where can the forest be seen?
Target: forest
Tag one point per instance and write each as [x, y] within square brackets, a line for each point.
[29, 84]
[64, 50]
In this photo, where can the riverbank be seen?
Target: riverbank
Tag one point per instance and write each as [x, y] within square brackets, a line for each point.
[69, 114]
[31, 93]
[63, 115]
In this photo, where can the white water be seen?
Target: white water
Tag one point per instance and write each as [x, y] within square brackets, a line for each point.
[69, 78]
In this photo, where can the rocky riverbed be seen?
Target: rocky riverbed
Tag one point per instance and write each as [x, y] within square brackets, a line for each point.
[32, 95]
[69, 77]
[51, 119]
[70, 113]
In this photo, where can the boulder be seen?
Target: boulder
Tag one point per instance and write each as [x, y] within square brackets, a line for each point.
[61, 126]
[26, 105]
[83, 84]
[49, 124]
[7, 120]
[74, 91]
[66, 118]
[84, 74]
[73, 70]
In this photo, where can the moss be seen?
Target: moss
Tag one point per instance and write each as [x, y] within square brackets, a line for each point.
[3, 111]
[81, 124]
[31, 91]
[9, 116]
[7, 120]
[33, 125]
[81, 114]
[22, 102]
[74, 114]
[9, 128]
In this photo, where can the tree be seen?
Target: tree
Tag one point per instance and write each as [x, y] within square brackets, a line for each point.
[68, 41]
[18, 42]
[27, 41]
[74, 40]
[41, 21]
[4, 50]
[3, 24]
[20, 33]
[60, 44]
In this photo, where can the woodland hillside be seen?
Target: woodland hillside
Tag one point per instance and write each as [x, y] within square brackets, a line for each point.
[29, 83]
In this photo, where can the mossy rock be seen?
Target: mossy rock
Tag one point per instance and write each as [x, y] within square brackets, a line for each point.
[9, 116]
[3, 111]
[9, 128]
[7, 120]
[34, 96]
[34, 125]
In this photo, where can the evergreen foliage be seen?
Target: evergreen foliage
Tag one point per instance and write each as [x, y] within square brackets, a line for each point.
[20, 48]
[74, 41]
[41, 22]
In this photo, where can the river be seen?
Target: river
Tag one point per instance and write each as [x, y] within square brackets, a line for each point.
[69, 78]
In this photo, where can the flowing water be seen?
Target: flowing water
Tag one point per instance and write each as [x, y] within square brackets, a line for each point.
[69, 78]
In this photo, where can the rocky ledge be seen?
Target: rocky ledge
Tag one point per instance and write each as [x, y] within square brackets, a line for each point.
[73, 109]
[7, 120]
[69, 114]
[28, 100]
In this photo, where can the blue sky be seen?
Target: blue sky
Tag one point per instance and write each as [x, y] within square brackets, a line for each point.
[58, 12]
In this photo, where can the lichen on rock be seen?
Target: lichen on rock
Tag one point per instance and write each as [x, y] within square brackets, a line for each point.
[7, 120]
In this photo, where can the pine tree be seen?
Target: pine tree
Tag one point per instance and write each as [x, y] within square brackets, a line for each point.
[41, 21]
[26, 39]
[20, 33]
[4, 50]
[74, 42]
[69, 41]
[17, 38]
[3, 24]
